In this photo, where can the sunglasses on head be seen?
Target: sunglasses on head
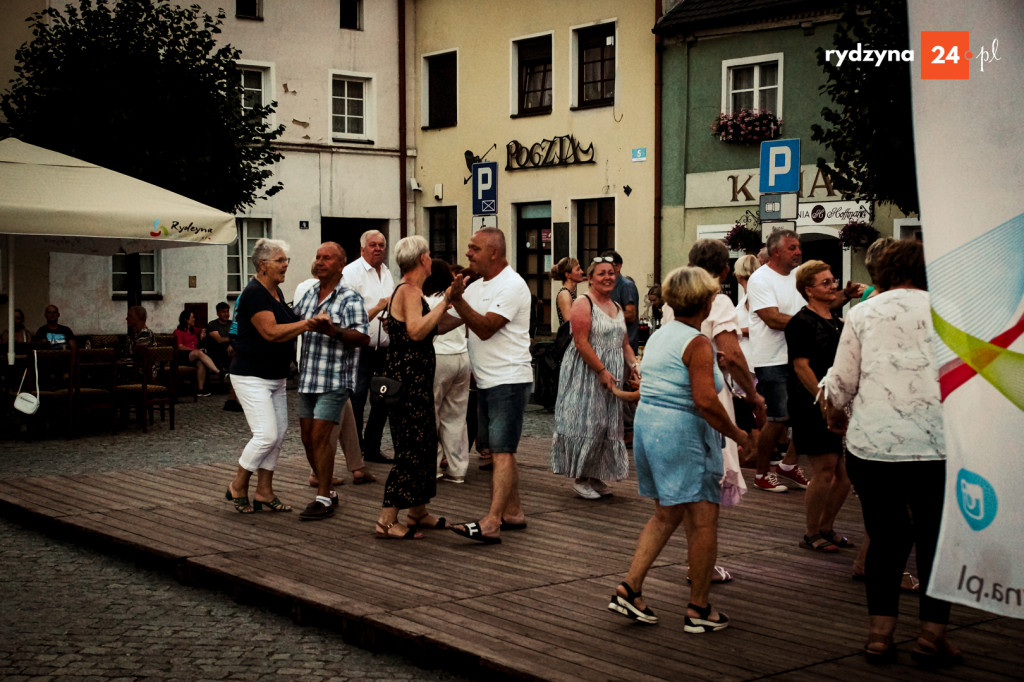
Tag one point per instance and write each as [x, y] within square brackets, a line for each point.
[603, 259]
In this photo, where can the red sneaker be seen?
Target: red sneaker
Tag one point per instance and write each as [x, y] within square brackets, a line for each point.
[793, 477]
[769, 483]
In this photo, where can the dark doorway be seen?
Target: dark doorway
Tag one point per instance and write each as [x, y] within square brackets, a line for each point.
[533, 257]
[346, 231]
[824, 248]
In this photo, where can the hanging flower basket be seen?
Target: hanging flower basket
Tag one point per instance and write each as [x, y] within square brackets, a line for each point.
[857, 235]
[747, 126]
[743, 238]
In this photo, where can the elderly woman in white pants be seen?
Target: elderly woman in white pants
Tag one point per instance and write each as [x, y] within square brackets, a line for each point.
[259, 370]
[451, 383]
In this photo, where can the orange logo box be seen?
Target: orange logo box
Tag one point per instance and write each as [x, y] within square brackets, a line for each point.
[946, 55]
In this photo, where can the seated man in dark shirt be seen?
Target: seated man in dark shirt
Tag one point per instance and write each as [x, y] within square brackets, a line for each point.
[57, 335]
[218, 341]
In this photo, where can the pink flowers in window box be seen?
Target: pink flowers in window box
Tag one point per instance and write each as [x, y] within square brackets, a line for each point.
[746, 126]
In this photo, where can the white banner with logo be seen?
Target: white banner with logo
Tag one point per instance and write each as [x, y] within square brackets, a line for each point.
[970, 170]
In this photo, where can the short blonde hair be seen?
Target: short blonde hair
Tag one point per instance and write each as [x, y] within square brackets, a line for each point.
[687, 289]
[409, 250]
[745, 265]
[806, 274]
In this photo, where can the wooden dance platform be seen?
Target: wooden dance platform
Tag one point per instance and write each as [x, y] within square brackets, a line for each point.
[532, 607]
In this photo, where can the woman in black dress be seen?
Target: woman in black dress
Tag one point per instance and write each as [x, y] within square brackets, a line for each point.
[412, 326]
[812, 336]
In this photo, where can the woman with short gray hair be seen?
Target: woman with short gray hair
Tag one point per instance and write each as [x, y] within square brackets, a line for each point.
[263, 354]
[412, 326]
[409, 252]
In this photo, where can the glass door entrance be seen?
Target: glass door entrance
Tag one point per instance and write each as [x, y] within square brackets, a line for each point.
[533, 257]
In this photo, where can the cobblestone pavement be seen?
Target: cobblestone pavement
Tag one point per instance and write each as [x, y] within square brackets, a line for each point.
[72, 612]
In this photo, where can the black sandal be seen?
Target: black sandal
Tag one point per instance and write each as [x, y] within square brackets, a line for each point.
[818, 543]
[414, 522]
[703, 622]
[627, 606]
[836, 539]
[242, 505]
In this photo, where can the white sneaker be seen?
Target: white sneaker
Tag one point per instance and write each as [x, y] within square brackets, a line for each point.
[453, 479]
[600, 487]
[585, 491]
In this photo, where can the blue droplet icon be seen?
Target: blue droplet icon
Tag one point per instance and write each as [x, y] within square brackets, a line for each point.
[977, 499]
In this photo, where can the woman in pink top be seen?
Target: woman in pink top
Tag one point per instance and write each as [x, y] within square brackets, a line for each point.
[188, 343]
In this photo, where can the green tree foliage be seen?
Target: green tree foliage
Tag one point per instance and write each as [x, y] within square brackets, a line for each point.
[870, 128]
[141, 87]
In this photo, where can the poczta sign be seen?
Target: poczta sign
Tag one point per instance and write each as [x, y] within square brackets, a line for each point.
[564, 150]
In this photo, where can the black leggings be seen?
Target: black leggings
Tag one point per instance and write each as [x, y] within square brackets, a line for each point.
[902, 506]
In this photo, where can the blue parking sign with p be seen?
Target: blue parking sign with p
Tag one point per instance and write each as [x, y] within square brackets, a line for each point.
[485, 188]
[780, 166]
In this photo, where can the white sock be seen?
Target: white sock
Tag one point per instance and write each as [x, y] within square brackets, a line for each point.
[787, 467]
[326, 501]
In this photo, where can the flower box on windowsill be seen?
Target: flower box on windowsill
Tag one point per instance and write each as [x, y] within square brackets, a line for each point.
[746, 126]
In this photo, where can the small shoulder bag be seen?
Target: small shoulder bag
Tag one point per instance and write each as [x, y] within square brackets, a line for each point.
[383, 389]
[26, 402]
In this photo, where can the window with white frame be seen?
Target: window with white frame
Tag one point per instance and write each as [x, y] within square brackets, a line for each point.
[254, 85]
[441, 91]
[595, 65]
[240, 267]
[533, 64]
[149, 265]
[753, 83]
[350, 107]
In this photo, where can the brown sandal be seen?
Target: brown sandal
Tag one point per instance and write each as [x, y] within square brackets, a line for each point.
[384, 533]
[935, 651]
[879, 656]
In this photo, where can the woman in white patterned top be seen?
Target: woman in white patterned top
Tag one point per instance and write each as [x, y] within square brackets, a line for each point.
[885, 370]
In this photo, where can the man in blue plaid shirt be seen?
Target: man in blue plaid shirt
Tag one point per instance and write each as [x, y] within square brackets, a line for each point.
[327, 367]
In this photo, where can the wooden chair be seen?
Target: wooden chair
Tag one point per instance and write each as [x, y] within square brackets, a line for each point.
[56, 385]
[96, 383]
[157, 377]
[188, 375]
[106, 341]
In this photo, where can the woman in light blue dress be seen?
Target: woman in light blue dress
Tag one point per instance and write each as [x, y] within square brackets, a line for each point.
[678, 449]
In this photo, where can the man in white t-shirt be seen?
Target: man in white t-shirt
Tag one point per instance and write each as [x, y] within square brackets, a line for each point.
[371, 278]
[773, 299]
[496, 309]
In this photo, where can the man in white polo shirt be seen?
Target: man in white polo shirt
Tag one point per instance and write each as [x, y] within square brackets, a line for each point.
[496, 309]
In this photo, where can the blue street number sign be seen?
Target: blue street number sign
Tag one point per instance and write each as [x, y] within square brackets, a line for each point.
[485, 188]
[780, 166]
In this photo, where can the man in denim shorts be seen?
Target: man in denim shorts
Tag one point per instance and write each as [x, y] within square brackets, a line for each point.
[773, 298]
[496, 309]
[327, 368]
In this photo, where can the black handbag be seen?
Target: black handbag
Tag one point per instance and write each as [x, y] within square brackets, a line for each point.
[386, 391]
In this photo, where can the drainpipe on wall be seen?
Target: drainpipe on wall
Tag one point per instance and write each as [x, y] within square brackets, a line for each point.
[403, 147]
[658, 47]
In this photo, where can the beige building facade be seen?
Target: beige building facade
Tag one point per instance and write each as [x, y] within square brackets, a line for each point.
[560, 96]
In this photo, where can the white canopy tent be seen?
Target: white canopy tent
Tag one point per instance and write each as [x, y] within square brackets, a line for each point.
[73, 206]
